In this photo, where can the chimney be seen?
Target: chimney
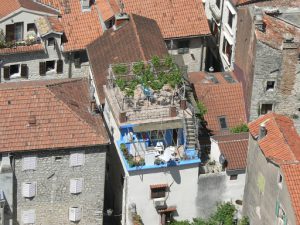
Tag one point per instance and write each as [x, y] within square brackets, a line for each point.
[288, 42]
[120, 19]
[262, 131]
[86, 4]
[93, 106]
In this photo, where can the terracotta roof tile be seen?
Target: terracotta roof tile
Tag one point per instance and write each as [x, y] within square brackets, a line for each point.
[281, 142]
[22, 49]
[175, 18]
[221, 98]
[7, 7]
[106, 10]
[234, 147]
[138, 39]
[60, 111]
[81, 28]
[292, 179]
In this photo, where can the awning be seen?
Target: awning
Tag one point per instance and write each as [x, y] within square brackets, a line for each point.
[168, 209]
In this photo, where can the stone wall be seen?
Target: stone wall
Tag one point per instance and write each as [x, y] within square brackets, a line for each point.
[53, 197]
[262, 189]
[267, 67]
[32, 59]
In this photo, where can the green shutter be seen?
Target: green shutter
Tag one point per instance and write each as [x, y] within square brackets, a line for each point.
[24, 70]
[42, 68]
[6, 72]
[277, 208]
[285, 220]
[59, 66]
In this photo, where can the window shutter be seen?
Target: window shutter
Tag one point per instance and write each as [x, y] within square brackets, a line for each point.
[28, 216]
[29, 163]
[74, 214]
[6, 72]
[277, 208]
[28, 190]
[24, 70]
[10, 32]
[285, 220]
[76, 159]
[77, 63]
[42, 68]
[59, 67]
[76, 185]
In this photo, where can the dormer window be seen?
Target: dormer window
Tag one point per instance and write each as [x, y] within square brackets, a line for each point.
[223, 123]
[51, 41]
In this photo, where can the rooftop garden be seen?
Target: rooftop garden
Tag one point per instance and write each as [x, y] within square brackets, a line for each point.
[151, 76]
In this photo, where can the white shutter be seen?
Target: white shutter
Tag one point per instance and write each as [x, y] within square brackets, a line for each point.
[29, 162]
[28, 216]
[76, 185]
[76, 159]
[28, 190]
[74, 214]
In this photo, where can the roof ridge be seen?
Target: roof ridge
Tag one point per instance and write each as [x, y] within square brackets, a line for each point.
[285, 140]
[138, 38]
[246, 139]
[72, 111]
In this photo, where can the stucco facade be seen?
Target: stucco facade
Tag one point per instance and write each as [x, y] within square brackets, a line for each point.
[193, 54]
[263, 189]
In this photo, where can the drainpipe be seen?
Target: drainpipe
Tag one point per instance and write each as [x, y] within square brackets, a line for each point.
[70, 65]
[1, 63]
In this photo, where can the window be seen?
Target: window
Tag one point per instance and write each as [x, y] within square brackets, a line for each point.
[183, 46]
[218, 3]
[14, 32]
[158, 190]
[76, 185]
[29, 189]
[280, 179]
[266, 108]
[74, 214]
[270, 85]
[28, 216]
[14, 70]
[223, 123]
[77, 159]
[51, 41]
[230, 18]
[233, 177]
[50, 65]
[29, 163]
[31, 27]
[227, 49]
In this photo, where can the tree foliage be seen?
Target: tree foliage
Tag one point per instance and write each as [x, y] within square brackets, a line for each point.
[225, 215]
[240, 128]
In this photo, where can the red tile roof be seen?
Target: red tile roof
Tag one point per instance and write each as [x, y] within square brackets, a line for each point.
[221, 99]
[22, 49]
[7, 7]
[176, 19]
[106, 9]
[292, 179]
[81, 28]
[139, 39]
[59, 111]
[234, 147]
[281, 143]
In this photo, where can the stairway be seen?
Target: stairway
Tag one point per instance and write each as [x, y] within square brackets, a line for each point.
[191, 141]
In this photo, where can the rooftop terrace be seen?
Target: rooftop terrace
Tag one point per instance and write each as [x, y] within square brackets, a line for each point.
[146, 91]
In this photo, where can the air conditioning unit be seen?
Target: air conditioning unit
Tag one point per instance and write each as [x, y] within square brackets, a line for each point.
[159, 202]
[74, 214]
[181, 51]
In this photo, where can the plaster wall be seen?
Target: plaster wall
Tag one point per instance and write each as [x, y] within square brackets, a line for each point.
[229, 33]
[183, 185]
[195, 58]
[262, 189]
[53, 197]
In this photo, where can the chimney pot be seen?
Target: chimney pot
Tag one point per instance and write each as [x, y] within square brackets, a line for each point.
[262, 131]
